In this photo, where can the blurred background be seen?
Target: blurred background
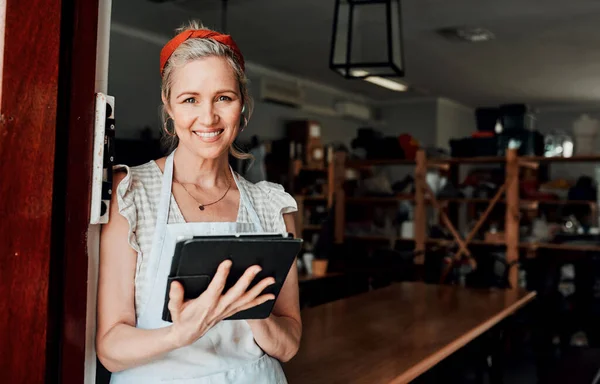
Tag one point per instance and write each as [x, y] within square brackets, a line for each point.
[458, 112]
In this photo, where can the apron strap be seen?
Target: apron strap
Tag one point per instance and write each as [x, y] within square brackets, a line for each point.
[162, 217]
[246, 203]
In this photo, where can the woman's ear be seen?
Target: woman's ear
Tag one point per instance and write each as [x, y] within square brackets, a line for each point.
[166, 104]
[243, 122]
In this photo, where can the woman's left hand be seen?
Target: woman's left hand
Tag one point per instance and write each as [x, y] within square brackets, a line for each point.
[279, 335]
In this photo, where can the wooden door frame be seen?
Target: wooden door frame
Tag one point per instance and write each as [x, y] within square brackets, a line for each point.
[46, 124]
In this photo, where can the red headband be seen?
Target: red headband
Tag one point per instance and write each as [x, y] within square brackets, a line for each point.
[175, 42]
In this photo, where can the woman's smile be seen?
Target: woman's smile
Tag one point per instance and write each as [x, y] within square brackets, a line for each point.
[209, 136]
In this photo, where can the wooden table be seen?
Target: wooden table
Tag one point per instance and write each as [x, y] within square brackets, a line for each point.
[394, 334]
[306, 277]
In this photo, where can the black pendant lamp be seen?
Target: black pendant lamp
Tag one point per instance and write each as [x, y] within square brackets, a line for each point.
[367, 39]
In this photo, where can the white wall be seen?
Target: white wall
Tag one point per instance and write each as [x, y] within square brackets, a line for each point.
[453, 121]
[268, 119]
[417, 117]
[432, 121]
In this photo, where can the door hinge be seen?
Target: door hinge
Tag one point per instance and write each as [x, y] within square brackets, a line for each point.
[103, 158]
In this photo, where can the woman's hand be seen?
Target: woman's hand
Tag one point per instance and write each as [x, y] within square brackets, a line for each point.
[279, 335]
[193, 318]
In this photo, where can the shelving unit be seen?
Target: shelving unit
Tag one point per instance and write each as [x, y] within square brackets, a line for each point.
[331, 169]
[524, 204]
[507, 196]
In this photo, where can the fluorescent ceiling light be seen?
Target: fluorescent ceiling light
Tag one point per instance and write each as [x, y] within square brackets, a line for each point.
[468, 34]
[387, 83]
[381, 81]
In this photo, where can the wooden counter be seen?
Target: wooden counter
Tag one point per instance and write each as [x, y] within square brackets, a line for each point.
[303, 277]
[394, 334]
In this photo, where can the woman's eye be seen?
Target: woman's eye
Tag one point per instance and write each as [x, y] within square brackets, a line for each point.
[190, 100]
[224, 98]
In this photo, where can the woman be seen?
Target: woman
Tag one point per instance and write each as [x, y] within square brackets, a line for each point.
[204, 96]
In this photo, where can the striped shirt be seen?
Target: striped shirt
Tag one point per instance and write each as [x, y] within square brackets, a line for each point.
[138, 197]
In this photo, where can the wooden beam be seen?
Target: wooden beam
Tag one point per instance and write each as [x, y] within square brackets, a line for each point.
[340, 197]
[511, 229]
[529, 164]
[331, 174]
[420, 214]
[447, 222]
[300, 216]
[442, 166]
[482, 219]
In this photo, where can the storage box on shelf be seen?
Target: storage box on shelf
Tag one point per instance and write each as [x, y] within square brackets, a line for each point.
[308, 147]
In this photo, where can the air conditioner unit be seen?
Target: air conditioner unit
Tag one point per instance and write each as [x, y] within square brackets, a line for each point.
[354, 110]
[281, 91]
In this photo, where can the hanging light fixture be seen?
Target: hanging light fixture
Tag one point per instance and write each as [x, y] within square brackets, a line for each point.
[367, 39]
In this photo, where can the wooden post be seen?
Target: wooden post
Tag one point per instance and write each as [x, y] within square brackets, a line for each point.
[340, 199]
[331, 177]
[300, 216]
[448, 223]
[481, 220]
[293, 172]
[511, 225]
[420, 213]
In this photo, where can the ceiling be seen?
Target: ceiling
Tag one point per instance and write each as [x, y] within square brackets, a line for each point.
[546, 52]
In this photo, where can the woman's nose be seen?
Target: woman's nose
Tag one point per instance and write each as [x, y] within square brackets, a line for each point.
[207, 114]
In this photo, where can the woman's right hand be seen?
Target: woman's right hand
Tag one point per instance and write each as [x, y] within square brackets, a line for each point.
[193, 318]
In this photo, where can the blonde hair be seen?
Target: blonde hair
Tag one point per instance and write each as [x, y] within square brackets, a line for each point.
[194, 49]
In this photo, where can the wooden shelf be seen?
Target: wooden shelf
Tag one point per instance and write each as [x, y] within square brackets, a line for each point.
[443, 242]
[313, 169]
[525, 204]
[502, 159]
[533, 204]
[472, 242]
[463, 200]
[377, 162]
[574, 159]
[372, 237]
[529, 246]
[312, 227]
[469, 160]
[311, 197]
[379, 199]
[563, 247]
[303, 277]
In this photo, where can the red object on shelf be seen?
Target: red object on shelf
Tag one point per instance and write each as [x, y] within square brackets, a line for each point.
[409, 145]
[483, 134]
[530, 190]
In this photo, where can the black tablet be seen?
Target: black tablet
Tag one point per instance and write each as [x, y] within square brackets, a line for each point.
[196, 260]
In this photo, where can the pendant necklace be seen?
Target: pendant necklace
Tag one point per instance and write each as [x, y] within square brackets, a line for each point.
[201, 206]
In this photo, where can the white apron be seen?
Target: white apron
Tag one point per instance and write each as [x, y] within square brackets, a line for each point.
[227, 353]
